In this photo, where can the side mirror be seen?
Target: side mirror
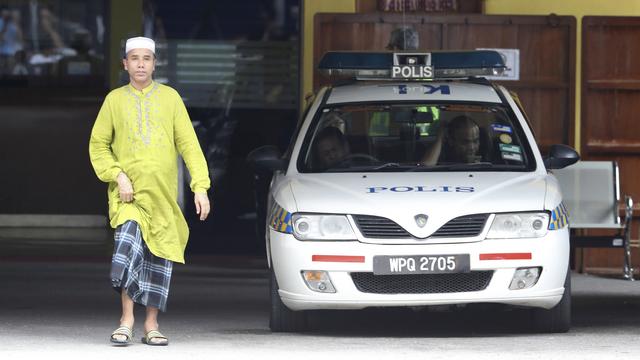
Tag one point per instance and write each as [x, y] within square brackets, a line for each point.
[267, 157]
[561, 156]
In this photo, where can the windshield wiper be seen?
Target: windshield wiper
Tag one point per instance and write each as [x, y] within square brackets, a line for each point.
[386, 165]
[380, 167]
[457, 166]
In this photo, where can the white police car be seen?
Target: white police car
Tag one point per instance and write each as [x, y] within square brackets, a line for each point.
[416, 192]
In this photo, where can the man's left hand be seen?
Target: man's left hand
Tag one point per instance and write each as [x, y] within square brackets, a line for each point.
[202, 205]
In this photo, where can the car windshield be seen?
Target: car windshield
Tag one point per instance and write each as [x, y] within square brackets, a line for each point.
[415, 137]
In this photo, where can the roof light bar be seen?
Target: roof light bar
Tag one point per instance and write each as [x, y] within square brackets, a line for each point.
[438, 65]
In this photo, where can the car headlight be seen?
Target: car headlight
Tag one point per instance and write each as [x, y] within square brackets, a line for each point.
[322, 227]
[519, 225]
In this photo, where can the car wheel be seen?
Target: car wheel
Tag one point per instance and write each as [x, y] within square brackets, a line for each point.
[282, 318]
[558, 318]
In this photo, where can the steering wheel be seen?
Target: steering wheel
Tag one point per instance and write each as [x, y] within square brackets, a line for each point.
[359, 156]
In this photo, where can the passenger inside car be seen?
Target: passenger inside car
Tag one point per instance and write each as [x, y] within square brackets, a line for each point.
[457, 142]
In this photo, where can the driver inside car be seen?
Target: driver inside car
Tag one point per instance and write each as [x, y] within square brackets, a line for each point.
[331, 148]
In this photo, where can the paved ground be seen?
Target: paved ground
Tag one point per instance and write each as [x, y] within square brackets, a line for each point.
[219, 309]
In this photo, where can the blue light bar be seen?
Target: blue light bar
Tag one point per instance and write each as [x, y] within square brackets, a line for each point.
[334, 60]
[444, 64]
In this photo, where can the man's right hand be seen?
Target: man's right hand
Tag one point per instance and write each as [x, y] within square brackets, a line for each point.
[125, 187]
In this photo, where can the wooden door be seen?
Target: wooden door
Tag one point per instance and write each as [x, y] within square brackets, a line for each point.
[610, 129]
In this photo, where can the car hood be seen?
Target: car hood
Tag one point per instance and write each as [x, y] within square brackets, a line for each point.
[440, 196]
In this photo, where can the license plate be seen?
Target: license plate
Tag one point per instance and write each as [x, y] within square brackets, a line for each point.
[420, 264]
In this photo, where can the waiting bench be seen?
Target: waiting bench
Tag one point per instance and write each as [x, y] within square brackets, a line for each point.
[591, 193]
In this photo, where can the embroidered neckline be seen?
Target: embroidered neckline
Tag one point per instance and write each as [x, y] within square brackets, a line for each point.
[146, 91]
[145, 137]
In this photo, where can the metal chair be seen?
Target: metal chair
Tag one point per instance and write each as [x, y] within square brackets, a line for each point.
[591, 193]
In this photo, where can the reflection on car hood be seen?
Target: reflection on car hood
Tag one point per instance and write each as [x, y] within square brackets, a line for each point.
[441, 196]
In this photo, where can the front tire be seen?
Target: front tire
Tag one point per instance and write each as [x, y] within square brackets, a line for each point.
[558, 318]
[282, 318]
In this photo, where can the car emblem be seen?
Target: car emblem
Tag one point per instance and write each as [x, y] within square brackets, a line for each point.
[421, 220]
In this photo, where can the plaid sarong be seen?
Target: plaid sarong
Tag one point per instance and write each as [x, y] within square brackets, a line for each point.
[145, 276]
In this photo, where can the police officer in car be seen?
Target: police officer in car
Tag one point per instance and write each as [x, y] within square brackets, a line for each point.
[330, 148]
[456, 142]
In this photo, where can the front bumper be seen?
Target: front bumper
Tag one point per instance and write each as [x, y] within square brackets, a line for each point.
[290, 256]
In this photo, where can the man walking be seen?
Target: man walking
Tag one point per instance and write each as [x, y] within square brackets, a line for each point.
[138, 134]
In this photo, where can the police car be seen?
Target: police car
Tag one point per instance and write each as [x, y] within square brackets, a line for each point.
[417, 183]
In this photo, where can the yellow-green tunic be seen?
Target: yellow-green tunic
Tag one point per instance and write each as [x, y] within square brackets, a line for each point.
[141, 133]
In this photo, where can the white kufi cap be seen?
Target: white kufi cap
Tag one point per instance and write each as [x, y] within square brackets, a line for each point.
[140, 43]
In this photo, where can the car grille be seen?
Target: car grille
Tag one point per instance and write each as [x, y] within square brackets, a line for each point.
[470, 225]
[383, 228]
[379, 227]
[421, 283]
